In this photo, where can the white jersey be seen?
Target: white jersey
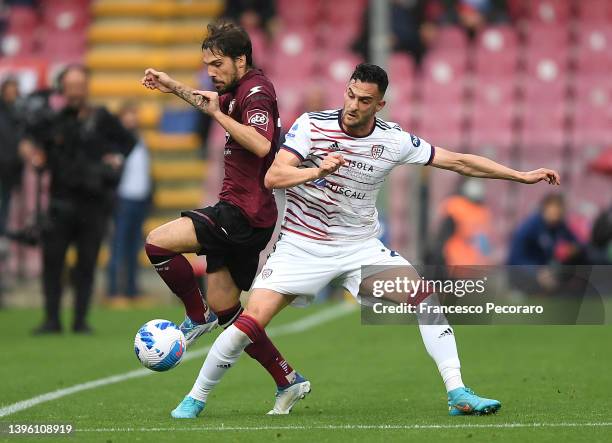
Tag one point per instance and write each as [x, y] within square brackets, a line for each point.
[342, 206]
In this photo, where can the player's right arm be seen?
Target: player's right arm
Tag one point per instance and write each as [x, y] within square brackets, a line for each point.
[164, 83]
[286, 172]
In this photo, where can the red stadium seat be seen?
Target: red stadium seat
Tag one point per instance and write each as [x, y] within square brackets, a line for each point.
[401, 75]
[496, 51]
[293, 49]
[443, 77]
[22, 17]
[543, 127]
[493, 113]
[594, 50]
[299, 14]
[546, 81]
[339, 36]
[549, 11]
[451, 38]
[340, 12]
[595, 11]
[592, 112]
[260, 49]
[442, 124]
[544, 107]
[442, 89]
[65, 15]
[18, 44]
[337, 67]
[587, 189]
[290, 100]
[63, 46]
[517, 9]
[542, 37]
[442, 63]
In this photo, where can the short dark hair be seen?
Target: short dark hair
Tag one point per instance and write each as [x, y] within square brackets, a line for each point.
[369, 73]
[229, 39]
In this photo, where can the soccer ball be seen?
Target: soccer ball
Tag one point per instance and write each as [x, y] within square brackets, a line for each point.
[159, 345]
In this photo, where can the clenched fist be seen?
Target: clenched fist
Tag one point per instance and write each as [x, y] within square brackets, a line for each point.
[330, 164]
[158, 80]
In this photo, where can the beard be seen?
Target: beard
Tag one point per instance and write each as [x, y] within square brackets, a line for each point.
[357, 122]
[229, 87]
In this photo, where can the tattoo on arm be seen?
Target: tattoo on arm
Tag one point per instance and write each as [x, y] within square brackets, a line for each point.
[186, 93]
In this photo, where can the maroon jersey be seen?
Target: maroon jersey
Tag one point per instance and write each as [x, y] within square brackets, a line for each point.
[252, 103]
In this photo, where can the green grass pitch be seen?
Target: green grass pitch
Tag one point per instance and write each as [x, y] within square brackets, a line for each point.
[370, 383]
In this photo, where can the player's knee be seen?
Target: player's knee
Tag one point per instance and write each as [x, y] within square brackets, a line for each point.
[154, 238]
[259, 315]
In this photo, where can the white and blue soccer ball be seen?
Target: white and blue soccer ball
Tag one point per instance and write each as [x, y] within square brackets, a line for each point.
[159, 345]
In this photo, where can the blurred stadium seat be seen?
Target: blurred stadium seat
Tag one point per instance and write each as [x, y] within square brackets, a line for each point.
[595, 11]
[594, 49]
[592, 112]
[442, 92]
[451, 38]
[549, 11]
[496, 51]
[18, 44]
[493, 112]
[22, 17]
[293, 49]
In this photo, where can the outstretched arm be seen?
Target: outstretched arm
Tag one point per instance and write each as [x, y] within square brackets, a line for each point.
[208, 102]
[477, 166]
[284, 172]
[164, 83]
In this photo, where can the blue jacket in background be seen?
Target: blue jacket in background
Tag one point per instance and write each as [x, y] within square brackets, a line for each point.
[534, 242]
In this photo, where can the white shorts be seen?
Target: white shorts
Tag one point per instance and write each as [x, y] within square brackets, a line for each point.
[303, 268]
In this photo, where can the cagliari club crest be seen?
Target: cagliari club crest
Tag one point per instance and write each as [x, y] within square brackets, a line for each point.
[377, 151]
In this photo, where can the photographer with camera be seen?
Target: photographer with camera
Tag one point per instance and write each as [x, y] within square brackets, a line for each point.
[83, 147]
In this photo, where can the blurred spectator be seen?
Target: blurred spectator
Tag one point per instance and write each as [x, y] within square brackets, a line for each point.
[252, 14]
[472, 15]
[540, 242]
[407, 18]
[83, 147]
[463, 238]
[601, 239]
[10, 135]
[133, 202]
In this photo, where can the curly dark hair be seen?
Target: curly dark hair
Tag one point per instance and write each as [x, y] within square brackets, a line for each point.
[229, 39]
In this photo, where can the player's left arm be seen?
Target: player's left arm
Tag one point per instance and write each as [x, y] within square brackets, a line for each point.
[246, 136]
[477, 166]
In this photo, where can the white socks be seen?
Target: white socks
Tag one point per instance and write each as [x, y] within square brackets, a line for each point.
[439, 339]
[223, 355]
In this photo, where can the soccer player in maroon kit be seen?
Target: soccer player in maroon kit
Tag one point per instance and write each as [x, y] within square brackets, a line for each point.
[233, 232]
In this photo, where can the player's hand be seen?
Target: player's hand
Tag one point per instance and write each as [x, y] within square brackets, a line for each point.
[158, 80]
[548, 175]
[330, 164]
[208, 101]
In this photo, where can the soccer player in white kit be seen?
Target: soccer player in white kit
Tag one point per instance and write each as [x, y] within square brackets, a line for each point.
[332, 165]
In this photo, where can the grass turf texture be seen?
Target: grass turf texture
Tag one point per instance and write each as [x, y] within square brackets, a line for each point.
[363, 377]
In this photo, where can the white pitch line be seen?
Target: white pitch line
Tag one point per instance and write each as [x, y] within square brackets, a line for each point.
[298, 326]
[349, 427]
